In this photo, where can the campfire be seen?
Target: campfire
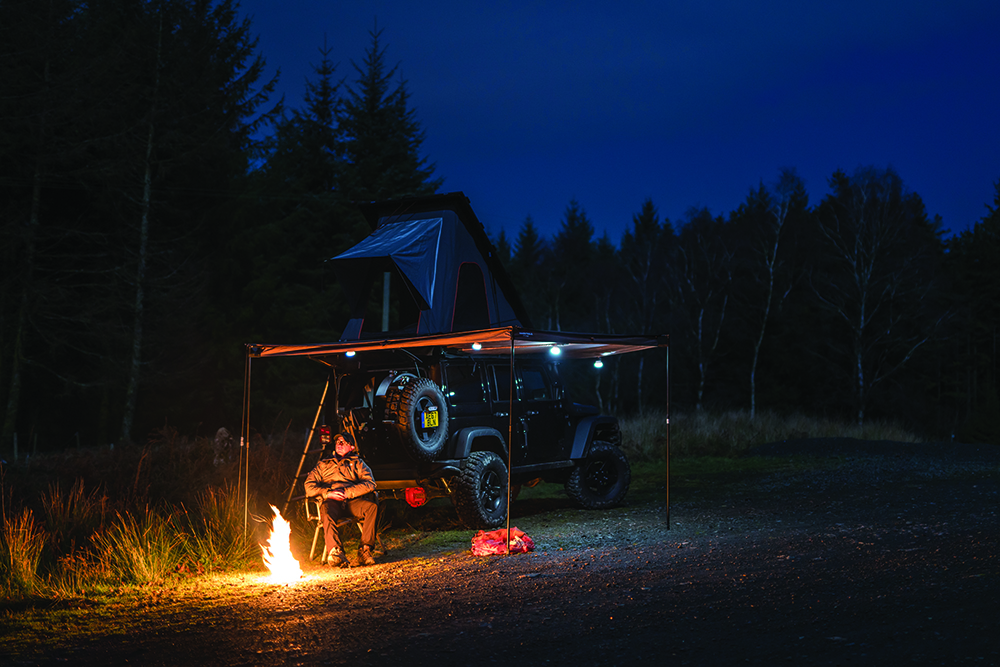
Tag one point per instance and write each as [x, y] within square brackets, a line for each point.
[278, 554]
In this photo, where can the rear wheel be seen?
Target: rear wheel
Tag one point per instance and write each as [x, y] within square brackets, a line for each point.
[480, 493]
[601, 480]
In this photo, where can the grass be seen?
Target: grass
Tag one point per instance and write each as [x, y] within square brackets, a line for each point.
[141, 547]
[22, 541]
[215, 531]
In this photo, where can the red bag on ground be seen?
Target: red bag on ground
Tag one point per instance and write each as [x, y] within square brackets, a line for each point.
[494, 542]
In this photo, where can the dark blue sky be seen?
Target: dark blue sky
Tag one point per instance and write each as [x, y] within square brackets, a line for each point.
[527, 105]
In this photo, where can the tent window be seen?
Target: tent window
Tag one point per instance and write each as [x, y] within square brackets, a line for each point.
[471, 309]
[404, 313]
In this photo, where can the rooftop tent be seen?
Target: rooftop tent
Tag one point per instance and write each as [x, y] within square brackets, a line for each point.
[451, 279]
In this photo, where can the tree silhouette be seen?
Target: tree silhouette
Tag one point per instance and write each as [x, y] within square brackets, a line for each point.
[878, 280]
[645, 255]
[382, 137]
[572, 256]
[702, 282]
[972, 259]
[763, 276]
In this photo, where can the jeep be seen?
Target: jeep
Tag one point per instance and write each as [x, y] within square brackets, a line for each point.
[440, 426]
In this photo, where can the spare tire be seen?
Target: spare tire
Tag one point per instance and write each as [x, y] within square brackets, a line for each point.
[416, 409]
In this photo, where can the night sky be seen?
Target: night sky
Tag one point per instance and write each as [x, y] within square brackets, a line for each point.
[527, 105]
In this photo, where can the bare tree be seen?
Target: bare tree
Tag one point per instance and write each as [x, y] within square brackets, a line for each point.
[763, 270]
[878, 280]
[644, 255]
[701, 285]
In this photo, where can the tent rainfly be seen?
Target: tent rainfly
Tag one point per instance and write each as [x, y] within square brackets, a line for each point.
[451, 278]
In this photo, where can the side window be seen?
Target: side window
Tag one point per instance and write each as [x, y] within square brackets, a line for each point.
[500, 383]
[534, 385]
[464, 385]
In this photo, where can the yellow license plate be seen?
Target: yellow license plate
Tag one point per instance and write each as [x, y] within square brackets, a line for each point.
[430, 419]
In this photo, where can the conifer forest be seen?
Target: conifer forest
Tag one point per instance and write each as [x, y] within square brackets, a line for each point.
[160, 208]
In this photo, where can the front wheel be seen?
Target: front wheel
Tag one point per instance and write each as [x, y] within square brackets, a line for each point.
[480, 493]
[601, 480]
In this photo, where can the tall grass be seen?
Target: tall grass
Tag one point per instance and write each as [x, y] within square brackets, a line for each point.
[21, 544]
[72, 517]
[91, 521]
[645, 438]
[216, 538]
[141, 547]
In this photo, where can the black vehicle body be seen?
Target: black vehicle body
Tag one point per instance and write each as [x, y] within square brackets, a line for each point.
[426, 423]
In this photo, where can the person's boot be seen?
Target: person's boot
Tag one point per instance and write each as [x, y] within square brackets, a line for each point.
[337, 558]
[365, 555]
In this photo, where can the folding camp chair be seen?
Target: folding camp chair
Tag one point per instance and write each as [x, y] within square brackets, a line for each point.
[312, 514]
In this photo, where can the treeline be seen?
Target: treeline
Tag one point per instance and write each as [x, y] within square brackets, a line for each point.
[855, 307]
[148, 232]
[159, 209]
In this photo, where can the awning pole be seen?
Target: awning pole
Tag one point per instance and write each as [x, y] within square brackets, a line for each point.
[510, 434]
[667, 455]
[245, 444]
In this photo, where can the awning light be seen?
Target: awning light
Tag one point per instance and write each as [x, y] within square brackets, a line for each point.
[555, 351]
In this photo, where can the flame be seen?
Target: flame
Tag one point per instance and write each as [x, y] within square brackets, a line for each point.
[278, 554]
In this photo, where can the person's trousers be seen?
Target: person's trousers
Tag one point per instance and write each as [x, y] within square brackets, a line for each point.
[363, 509]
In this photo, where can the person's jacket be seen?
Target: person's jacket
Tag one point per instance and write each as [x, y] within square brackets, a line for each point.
[349, 473]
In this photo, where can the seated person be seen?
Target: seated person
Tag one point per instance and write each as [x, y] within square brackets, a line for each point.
[343, 486]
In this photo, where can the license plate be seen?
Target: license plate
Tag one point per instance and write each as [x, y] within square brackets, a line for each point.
[430, 418]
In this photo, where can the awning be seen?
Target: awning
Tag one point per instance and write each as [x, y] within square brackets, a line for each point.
[485, 341]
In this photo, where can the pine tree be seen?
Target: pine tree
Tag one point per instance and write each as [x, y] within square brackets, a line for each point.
[972, 259]
[528, 270]
[307, 151]
[572, 253]
[382, 135]
[150, 124]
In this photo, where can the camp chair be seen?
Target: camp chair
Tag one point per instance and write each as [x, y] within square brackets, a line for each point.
[312, 514]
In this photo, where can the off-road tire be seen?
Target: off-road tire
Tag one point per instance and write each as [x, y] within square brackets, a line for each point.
[480, 492]
[404, 405]
[601, 480]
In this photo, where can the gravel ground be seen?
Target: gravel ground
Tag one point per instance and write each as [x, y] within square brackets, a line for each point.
[886, 554]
